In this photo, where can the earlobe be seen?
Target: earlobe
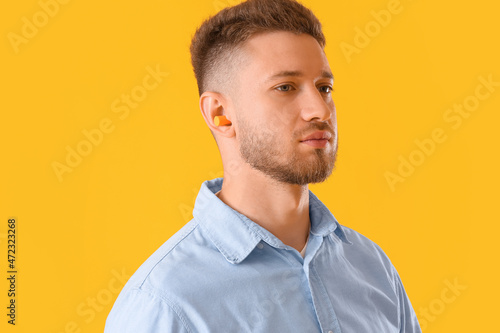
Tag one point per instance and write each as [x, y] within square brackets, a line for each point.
[213, 107]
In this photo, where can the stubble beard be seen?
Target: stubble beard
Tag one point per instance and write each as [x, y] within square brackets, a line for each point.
[266, 153]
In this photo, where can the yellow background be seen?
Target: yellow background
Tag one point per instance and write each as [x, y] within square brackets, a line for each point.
[137, 187]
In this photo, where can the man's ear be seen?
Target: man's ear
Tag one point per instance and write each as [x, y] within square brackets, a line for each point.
[215, 104]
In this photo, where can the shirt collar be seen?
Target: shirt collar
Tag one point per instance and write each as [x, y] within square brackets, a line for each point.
[235, 235]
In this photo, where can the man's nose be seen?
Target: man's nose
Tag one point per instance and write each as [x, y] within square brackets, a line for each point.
[316, 105]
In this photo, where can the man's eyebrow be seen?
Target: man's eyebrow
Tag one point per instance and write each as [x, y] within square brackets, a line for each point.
[324, 74]
[327, 74]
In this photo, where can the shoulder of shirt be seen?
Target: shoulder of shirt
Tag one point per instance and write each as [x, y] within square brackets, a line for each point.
[371, 254]
[160, 257]
[363, 244]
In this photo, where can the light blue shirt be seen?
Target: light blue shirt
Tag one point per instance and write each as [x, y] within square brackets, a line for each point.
[222, 272]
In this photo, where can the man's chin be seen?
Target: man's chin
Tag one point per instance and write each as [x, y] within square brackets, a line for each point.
[304, 178]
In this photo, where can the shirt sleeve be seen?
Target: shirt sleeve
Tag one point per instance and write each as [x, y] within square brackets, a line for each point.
[139, 311]
[408, 318]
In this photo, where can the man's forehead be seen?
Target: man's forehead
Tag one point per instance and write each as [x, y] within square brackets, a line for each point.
[282, 53]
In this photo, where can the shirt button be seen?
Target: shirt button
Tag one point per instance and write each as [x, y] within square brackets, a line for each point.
[261, 246]
[330, 331]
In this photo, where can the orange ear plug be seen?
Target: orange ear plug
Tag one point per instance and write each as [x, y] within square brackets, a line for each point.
[221, 121]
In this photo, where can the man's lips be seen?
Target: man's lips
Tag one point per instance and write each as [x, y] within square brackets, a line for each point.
[318, 139]
[319, 135]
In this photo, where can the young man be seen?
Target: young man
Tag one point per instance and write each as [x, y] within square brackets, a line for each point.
[263, 253]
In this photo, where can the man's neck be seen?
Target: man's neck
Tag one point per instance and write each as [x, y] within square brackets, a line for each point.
[282, 209]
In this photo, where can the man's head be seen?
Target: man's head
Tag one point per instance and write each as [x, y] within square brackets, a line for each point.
[215, 44]
[262, 65]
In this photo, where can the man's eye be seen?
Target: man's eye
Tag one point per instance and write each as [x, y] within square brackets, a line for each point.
[285, 87]
[326, 89]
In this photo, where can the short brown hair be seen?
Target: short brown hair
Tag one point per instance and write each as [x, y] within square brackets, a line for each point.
[216, 40]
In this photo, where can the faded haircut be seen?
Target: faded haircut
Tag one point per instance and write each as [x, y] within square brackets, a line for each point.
[215, 45]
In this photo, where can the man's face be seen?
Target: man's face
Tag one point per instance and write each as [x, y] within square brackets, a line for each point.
[276, 110]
